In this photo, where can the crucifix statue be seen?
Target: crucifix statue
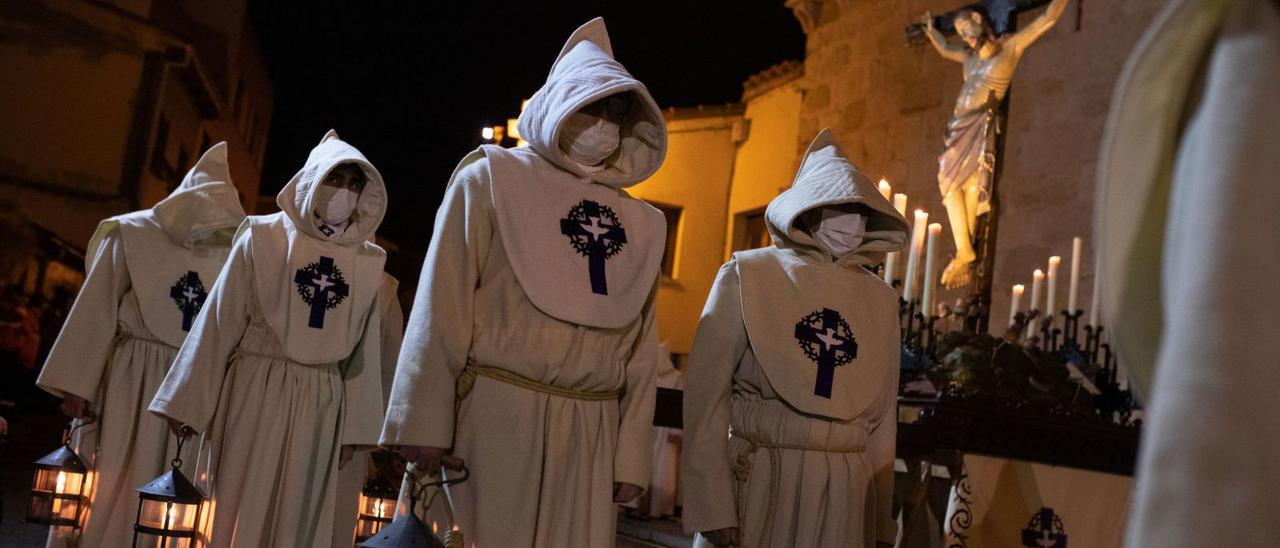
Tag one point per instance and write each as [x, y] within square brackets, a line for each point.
[966, 166]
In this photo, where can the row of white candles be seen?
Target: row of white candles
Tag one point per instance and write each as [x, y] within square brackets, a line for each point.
[924, 242]
[1039, 281]
[924, 238]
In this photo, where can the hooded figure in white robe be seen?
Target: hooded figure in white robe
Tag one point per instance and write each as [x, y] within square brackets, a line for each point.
[149, 275]
[283, 366]
[531, 349]
[353, 476]
[789, 405]
[1191, 269]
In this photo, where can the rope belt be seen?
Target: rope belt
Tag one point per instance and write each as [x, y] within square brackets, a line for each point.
[742, 473]
[123, 337]
[467, 380]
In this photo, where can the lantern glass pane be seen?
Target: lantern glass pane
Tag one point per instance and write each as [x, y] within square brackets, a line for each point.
[377, 507]
[181, 517]
[53, 480]
[67, 509]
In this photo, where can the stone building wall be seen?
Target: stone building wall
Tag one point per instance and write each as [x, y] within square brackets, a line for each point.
[888, 103]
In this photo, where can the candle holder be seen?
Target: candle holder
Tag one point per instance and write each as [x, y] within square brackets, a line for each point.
[1031, 325]
[1049, 335]
[930, 336]
[1071, 329]
[907, 315]
[1093, 337]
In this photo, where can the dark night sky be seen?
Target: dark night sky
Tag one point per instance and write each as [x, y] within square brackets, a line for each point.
[411, 83]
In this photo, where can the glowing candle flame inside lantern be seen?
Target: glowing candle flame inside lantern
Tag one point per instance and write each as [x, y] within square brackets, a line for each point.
[378, 511]
[61, 487]
[435, 527]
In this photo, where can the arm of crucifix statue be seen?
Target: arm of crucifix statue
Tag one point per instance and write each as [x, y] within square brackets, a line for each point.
[1027, 36]
[946, 49]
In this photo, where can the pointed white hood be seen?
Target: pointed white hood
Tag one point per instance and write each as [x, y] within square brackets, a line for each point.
[203, 203]
[827, 178]
[176, 249]
[583, 73]
[293, 261]
[298, 198]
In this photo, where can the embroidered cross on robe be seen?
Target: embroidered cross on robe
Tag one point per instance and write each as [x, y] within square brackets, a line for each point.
[825, 338]
[322, 286]
[189, 294]
[594, 230]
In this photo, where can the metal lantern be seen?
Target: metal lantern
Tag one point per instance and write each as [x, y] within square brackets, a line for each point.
[407, 530]
[169, 508]
[58, 494]
[377, 507]
[60, 489]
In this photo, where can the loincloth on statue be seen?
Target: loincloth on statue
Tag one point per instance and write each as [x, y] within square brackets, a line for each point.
[969, 154]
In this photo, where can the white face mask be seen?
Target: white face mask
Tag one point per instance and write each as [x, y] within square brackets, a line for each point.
[840, 231]
[335, 205]
[589, 139]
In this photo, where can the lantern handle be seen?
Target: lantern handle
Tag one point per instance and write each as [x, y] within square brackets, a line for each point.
[182, 436]
[89, 418]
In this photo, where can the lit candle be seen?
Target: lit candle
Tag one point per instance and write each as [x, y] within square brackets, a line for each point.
[1073, 290]
[60, 488]
[886, 190]
[1015, 303]
[900, 203]
[1096, 299]
[913, 258]
[1051, 302]
[891, 262]
[930, 269]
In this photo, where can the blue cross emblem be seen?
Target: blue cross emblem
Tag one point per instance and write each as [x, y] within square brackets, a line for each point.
[1044, 531]
[596, 233]
[189, 295]
[825, 338]
[322, 286]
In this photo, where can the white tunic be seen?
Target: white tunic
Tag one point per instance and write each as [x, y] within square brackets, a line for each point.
[148, 272]
[797, 356]
[274, 410]
[495, 293]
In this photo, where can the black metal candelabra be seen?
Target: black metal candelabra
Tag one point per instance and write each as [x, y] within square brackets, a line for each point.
[1071, 329]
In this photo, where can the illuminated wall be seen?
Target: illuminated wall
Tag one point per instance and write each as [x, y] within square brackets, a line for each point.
[694, 178]
[106, 107]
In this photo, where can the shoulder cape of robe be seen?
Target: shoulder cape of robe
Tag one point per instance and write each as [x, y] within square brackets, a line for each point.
[546, 217]
[820, 332]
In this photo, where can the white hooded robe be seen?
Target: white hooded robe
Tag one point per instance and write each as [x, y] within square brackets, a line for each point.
[278, 380]
[149, 273]
[1187, 200]
[505, 286]
[810, 459]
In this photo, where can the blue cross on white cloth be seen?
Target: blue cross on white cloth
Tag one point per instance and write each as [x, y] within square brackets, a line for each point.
[1040, 532]
[189, 294]
[597, 237]
[829, 341]
[324, 281]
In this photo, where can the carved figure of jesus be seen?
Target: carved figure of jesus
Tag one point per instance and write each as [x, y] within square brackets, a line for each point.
[966, 165]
